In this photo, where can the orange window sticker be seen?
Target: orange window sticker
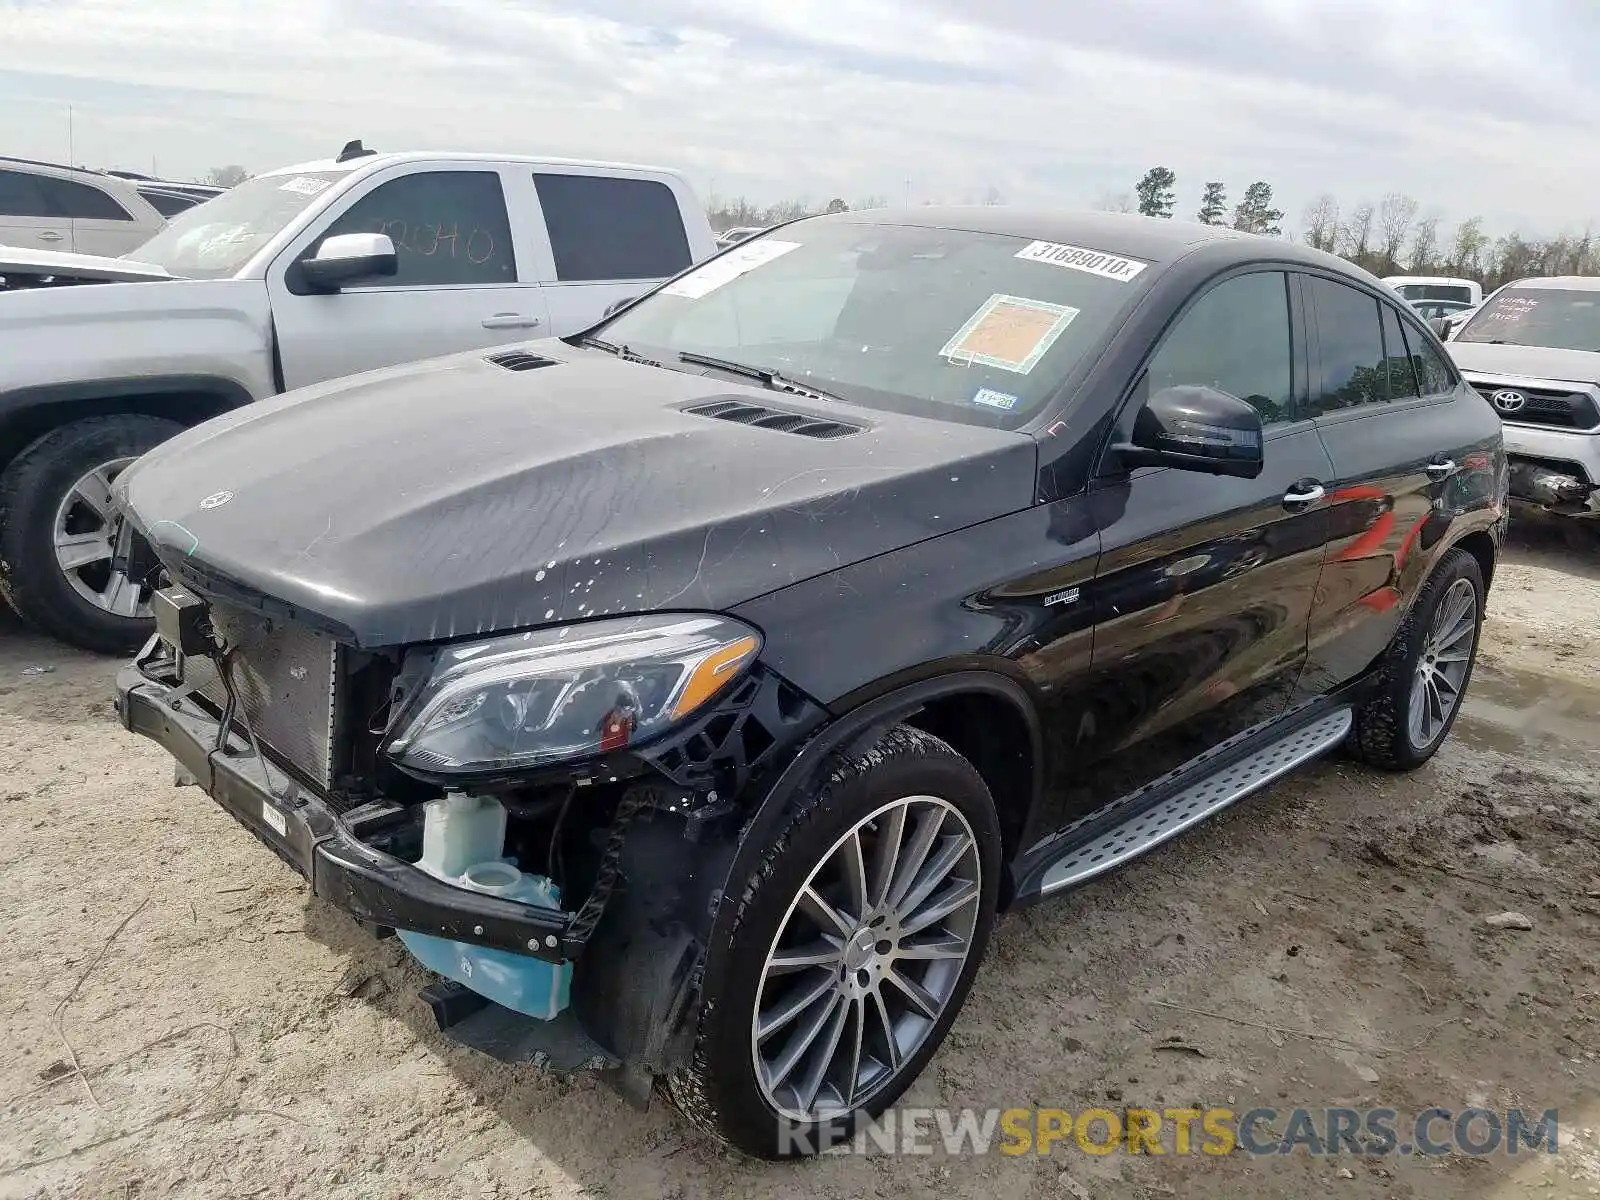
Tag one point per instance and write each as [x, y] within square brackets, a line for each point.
[1009, 332]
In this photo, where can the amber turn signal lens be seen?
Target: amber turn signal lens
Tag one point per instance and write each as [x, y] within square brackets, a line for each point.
[711, 673]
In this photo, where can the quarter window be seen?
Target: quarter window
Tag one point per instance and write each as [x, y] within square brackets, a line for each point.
[80, 202]
[1433, 372]
[1234, 338]
[603, 228]
[448, 227]
[1402, 371]
[1348, 331]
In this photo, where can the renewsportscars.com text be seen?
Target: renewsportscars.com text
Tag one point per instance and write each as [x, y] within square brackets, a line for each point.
[1259, 1132]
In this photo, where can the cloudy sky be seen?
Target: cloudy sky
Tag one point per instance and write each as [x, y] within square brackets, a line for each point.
[1473, 106]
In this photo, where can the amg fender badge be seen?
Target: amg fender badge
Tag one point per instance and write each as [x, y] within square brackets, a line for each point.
[1070, 596]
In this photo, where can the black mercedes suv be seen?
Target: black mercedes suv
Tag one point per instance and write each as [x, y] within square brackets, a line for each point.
[691, 695]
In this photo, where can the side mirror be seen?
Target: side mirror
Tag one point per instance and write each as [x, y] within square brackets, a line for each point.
[1196, 429]
[617, 304]
[1440, 325]
[349, 256]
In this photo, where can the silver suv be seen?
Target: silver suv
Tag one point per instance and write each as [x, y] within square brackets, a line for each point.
[45, 206]
[1533, 351]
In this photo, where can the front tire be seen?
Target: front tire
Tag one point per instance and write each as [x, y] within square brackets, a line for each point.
[1426, 670]
[857, 938]
[57, 529]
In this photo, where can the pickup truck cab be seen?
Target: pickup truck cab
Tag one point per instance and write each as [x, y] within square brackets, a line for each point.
[299, 275]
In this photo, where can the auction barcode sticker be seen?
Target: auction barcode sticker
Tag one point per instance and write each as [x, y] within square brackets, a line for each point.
[1076, 258]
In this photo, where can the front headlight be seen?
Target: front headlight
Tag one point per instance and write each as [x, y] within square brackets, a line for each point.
[568, 692]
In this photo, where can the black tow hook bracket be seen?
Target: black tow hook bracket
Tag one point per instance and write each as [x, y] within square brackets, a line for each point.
[452, 1003]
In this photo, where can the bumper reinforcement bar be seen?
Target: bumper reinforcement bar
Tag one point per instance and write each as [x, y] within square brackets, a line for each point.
[309, 834]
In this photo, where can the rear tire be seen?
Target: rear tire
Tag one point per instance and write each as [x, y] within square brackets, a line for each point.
[52, 507]
[1425, 671]
[849, 953]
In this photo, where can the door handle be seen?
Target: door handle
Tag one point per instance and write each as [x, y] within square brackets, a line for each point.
[510, 321]
[1307, 491]
[50, 236]
[1438, 470]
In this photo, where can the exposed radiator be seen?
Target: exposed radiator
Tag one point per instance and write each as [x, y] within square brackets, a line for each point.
[286, 678]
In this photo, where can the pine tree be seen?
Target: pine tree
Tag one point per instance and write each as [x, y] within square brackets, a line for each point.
[1214, 204]
[1156, 193]
[1255, 214]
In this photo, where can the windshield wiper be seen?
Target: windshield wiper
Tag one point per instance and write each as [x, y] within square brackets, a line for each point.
[621, 352]
[773, 379]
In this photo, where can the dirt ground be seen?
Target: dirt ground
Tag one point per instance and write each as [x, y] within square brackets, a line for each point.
[1322, 943]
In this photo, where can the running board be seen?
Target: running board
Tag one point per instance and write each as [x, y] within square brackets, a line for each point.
[1147, 828]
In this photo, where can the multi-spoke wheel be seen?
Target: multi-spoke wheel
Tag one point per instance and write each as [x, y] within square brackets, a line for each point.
[867, 958]
[1425, 672]
[58, 529]
[1442, 670]
[863, 924]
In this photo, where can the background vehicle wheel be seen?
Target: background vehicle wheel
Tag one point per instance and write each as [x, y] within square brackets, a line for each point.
[56, 533]
[1426, 670]
[855, 944]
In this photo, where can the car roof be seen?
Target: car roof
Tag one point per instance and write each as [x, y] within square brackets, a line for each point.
[1567, 283]
[366, 162]
[1156, 239]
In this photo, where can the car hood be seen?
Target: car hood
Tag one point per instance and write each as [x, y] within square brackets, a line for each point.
[17, 260]
[456, 496]
[1535, 362]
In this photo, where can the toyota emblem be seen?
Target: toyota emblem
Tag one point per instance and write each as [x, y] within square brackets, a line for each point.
[216, 500]
[1508, 401]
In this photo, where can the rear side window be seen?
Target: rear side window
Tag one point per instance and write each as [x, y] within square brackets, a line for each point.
[448, 227]
[168, 204]
[20, 196]
[603, 228]
[1235, 338]
[1351, 339]
[80, 202]
[1402, 371]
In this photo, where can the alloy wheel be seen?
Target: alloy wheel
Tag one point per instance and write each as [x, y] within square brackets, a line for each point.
[85, 535]
[867, 958]
[1442, 669]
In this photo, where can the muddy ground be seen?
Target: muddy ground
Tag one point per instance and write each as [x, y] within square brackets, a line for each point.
[1322, 943]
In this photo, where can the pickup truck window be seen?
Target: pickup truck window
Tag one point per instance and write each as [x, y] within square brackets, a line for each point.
[603, 228]
[213, 240]
[448, 227]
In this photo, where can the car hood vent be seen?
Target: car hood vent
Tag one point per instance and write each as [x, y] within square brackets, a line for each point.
[521, 360]
[743, 413]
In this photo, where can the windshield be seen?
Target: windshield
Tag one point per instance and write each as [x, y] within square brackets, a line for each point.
[973, 327]
[1552, 317]
[214, 239]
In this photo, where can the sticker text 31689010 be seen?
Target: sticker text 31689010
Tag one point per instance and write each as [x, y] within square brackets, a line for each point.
[1076, 258]
[1009, 332]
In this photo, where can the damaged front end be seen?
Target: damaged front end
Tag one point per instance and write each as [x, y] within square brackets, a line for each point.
[546, 818]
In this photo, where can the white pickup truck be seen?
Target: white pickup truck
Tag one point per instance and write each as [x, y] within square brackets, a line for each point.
[297, 276]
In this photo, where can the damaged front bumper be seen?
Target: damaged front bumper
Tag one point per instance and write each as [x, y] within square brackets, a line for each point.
[324, 845]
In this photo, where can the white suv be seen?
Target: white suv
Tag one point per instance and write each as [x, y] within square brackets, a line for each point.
[49, 207]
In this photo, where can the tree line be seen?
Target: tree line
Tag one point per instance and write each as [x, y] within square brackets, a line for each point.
[1390, 237]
